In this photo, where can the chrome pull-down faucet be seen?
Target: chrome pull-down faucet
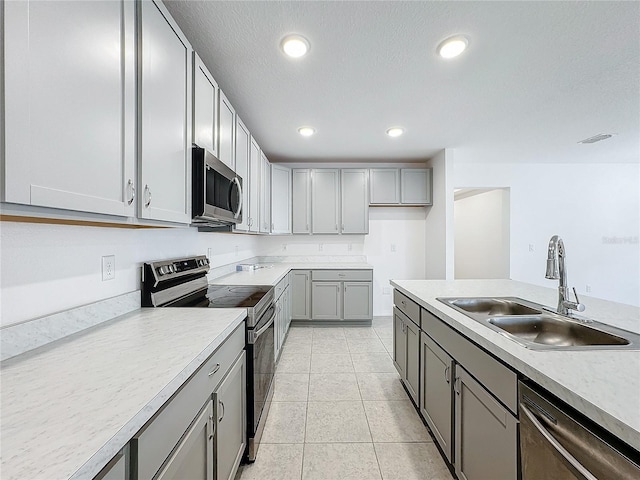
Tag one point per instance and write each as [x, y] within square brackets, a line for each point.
[557, 269]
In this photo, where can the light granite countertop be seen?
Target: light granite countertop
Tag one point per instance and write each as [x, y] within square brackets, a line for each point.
[602, 384]
[272, 273]
[67, 408]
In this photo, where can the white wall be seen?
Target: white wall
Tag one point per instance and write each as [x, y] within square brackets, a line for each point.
[439, 225]
[595, 208]
[482, 235]
[45, 269]
[402, 227]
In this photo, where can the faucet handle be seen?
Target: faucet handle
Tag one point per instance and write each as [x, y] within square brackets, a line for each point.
[578, 306]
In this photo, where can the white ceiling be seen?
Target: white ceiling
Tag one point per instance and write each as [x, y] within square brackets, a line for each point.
[537, 77]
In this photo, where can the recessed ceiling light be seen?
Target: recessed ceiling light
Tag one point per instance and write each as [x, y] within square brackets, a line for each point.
[306, 131]
[295, 46]
[395, 131]
[453, 46]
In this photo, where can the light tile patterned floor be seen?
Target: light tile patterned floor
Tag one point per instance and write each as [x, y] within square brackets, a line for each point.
[339, 412]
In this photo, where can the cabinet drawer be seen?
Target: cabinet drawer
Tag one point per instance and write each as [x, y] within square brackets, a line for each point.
[281, 286]
[339, 275]
[410, 308]
[496, 377]
[159, 436]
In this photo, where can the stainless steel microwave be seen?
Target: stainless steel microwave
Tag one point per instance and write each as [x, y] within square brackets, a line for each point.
[216, 192]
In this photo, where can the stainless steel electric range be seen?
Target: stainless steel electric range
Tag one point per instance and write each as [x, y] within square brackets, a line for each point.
[183, 282]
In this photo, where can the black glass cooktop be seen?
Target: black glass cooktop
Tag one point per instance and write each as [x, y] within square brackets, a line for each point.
[233, 296]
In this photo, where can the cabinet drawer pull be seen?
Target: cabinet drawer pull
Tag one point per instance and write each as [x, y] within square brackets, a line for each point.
[342, 275]
[403, 303]
[217, 367]
[221, 405]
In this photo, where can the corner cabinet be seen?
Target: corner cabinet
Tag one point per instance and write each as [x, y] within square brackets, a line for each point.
[165, 71]
[280, 199]
[397, 187]
[69, 110]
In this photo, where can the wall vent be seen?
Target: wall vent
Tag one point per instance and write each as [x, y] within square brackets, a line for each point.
[597, 138]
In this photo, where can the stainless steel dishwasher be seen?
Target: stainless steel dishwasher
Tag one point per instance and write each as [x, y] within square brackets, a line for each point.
[556, 444]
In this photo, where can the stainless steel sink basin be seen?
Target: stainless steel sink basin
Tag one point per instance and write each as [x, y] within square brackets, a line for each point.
[550, 330]
[537, 327]
[493, 306]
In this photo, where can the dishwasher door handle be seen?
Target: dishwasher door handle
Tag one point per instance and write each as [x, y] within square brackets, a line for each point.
[564, 453]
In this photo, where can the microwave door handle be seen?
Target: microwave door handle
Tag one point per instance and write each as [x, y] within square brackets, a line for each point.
[569, 459]
[236, 214]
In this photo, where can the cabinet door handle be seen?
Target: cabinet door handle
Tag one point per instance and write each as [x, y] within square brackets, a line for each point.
[403, 303]
[212, 427]
[446, 374]
[307, 226]
[343, 226]
[456, 385]
[222, 405]
[147, 194]
[272, 227]
[336, 227]
[132, 192]
[216, 368]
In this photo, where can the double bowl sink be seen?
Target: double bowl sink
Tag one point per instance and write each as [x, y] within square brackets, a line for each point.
[535, 327]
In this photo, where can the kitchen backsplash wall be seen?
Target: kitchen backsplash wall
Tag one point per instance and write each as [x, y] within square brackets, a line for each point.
[45, 269]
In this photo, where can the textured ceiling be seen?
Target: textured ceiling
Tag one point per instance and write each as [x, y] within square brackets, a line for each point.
[537, 77]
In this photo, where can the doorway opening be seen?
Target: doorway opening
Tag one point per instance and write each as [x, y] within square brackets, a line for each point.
[481, 233]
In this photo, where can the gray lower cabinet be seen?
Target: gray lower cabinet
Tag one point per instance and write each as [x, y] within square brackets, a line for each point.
[193, 457]
[357, 300]
[485, 433]
[406, 352]
[301, 294]
[326, 300]
[230, 406]
[436, 392]
[117, 468]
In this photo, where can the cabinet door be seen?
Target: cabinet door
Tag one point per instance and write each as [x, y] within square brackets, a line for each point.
[301, 198]
[165, 117]
[384, 186]
[358, 300]
[416, 186]
[354, 201]
[205, 110]
[436, 391]
[301, 294]
[287, 311]
[280, 199]
[243, 142]
[484, 431]
[278, 329]
[325, 203]
[254, 186]
[193, 457]
[399, 345]
[227, 130]
[412, 377]
[117, 468]
[230, 404]
[326, 300]
[265, 194]
[69, 107]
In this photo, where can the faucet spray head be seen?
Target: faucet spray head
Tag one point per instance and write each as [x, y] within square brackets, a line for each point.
[552, 269]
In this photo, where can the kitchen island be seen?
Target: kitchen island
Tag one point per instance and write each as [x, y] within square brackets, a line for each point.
[602, 384]
[69, 407]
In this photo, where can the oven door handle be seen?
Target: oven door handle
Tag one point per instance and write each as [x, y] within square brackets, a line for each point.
[253, 336]
[569, 459]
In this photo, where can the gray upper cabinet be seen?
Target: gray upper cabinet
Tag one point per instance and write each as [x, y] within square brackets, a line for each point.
[354, 201]
[265, 194]
[254, 186]
[484, 431]
[205, 107]
[301, 199]
[406, 186]
[193, 457]
[69, 124]
[280, 199]
[436, 392]
[415, 186]
[230, 406]
[325, 202]
[384, 186]
[226, 130]
[165, 116]
[243, 143]
[301, 294]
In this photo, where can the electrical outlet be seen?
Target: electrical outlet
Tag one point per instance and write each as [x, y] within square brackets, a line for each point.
[588, 289]
[209, 253]
[284, 247]
[108, 267]
[386, 291]
[349, 247]
[320, 247]
[532, 247]
[393, 247]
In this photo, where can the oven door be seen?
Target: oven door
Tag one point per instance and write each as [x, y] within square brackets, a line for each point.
[260, 346]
